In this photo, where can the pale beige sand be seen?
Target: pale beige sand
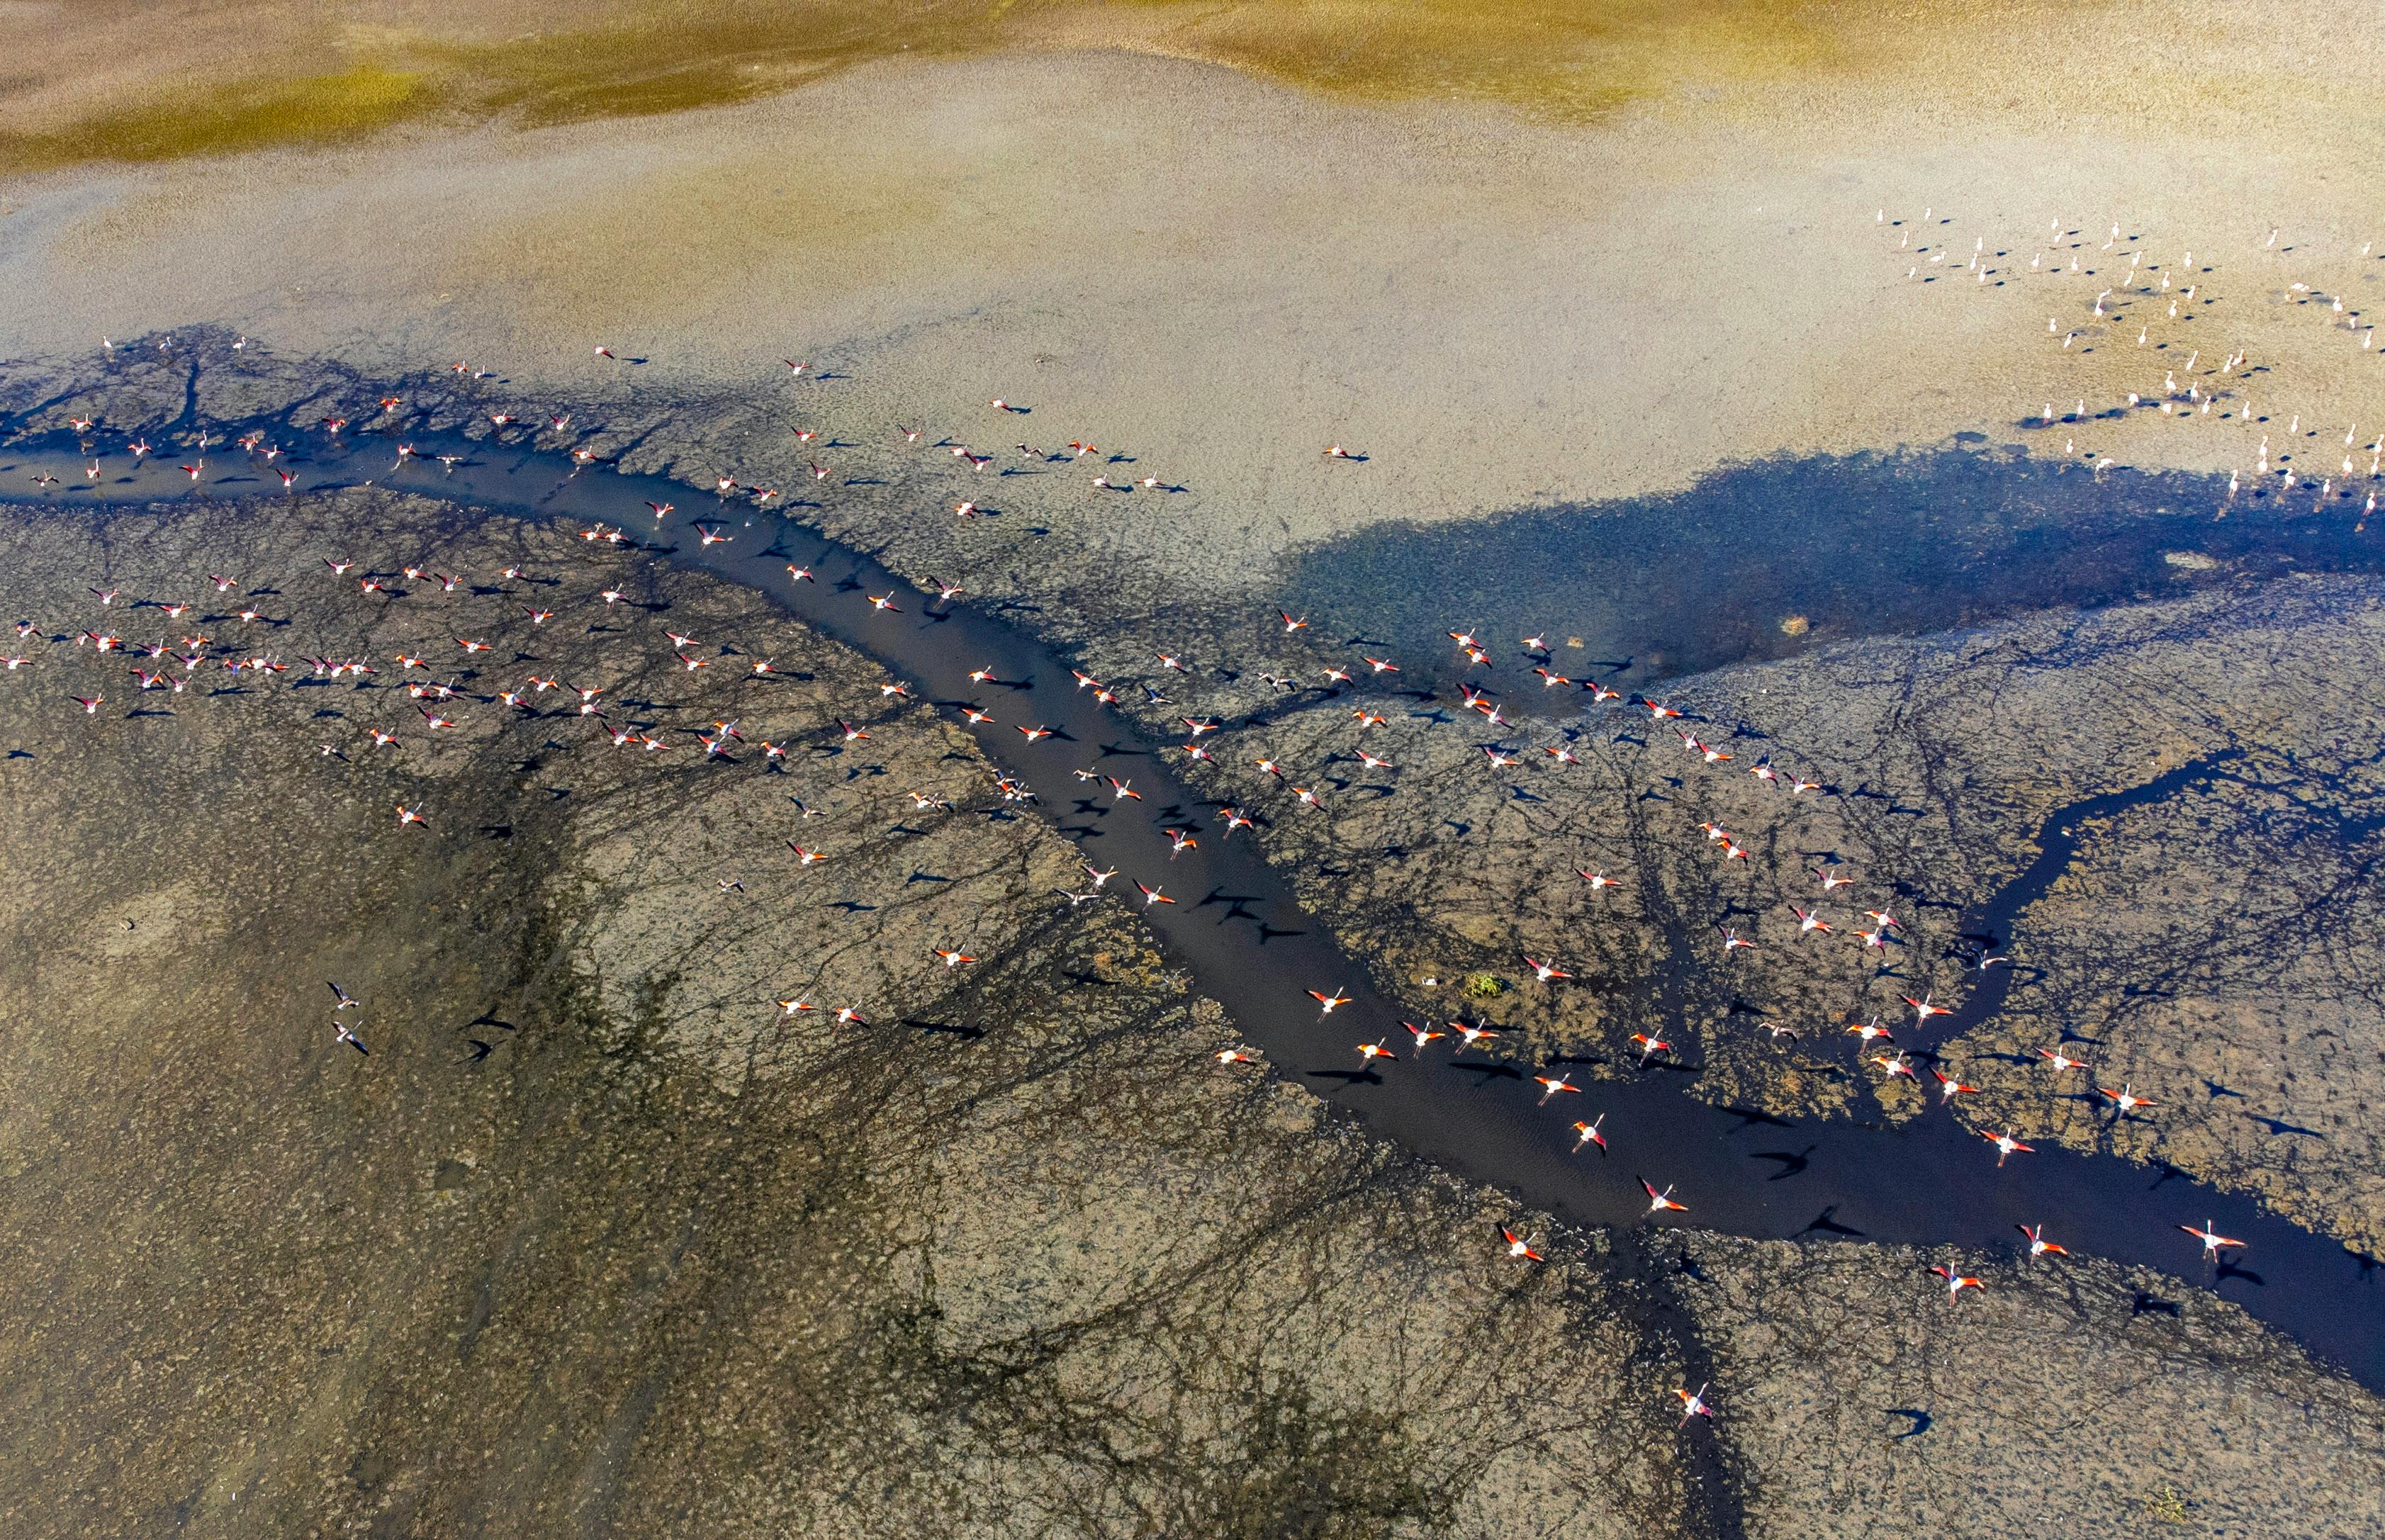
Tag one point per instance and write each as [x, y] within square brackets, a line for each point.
[1222, 275]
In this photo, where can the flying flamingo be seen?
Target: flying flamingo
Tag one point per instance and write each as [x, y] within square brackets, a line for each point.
[2005, 1145]
[2214, 1243]
[1658, 1202]
[1955, 1282]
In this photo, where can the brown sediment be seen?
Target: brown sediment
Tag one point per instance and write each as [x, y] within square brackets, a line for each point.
[597, 1229]
[2212, 945]
[544, 66]
[229, 118]
[660, 1264]
[1857, 1350]
[432, 63]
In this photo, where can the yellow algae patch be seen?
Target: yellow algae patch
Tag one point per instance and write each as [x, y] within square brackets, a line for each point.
[652, 60]
[1571, 62]
[225, 120]
[443, 59]
[443, 63]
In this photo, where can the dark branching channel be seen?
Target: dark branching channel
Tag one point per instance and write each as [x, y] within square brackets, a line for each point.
[1237, 929]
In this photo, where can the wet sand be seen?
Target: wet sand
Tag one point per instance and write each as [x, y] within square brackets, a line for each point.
[1570, 311]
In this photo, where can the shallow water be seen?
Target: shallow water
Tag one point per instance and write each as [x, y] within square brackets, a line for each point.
[1238, 933]
[1854, 545]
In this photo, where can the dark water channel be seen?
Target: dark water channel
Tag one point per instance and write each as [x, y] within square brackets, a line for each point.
[1237, 931]
[1851, 545]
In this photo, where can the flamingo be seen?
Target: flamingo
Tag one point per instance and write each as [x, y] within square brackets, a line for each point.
[2005, 1145]
[1923, 1009]
[2126, 1097]
[1948, 1088]
[1551, 1086]
[1955, 1281]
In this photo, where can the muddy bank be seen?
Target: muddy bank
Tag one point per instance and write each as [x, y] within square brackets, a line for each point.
[1249, 944]
[648, 1264]
[596, 1237]
[2212, 750]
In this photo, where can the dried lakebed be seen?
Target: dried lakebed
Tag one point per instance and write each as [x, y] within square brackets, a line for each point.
[1238, 933]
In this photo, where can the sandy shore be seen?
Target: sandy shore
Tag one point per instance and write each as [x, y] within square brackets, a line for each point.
[1221, 275]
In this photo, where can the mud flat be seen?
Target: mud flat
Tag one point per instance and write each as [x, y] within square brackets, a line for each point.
[2200, 931]
[652, 1261]
[595, 1236]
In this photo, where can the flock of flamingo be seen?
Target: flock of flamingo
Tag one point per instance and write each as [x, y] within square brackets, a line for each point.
[438, 672]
